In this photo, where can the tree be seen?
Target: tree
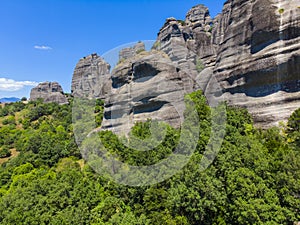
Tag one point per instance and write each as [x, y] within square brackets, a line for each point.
[4, 152]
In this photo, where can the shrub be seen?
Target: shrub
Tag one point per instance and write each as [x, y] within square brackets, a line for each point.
[4, 152]
[199, 65]
[9, 120]
[139, 51]
[181, 22]
[156, 45]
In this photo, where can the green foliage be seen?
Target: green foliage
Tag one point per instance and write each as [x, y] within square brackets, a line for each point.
[294, 128]
[4, 152]
[9, 120]
[156, 45]
[181, 22]
[254, 179]
[199, 65]
[99, 110]
[281, 10]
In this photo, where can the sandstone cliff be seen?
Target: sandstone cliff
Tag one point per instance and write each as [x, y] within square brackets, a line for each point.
[91, 78]
[258, 57]
[49, 92]
[252, 48]
[148, 85]
[129, 52]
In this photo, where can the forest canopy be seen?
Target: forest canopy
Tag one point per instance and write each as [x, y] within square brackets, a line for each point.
[254, 179]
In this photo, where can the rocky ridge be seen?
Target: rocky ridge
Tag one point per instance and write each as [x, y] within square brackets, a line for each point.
[145, 86]
[252, 49]
[130, 52]
[49, 92]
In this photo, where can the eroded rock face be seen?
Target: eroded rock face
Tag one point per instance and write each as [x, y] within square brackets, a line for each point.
[148, 85]
[252, 49]
[49, 92]
[188, 42]
[129, 52]
[258, 57]
[91, 78]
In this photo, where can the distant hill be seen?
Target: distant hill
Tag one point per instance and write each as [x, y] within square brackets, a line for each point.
[7, 100]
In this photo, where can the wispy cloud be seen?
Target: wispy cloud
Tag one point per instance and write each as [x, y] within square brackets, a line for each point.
[42, 47]
[12, 85]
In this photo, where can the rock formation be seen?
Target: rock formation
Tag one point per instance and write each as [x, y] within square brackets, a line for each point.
[129, 52]
[252, 49]
[148, 85]
[91, 78]
[258, 57]
[49, 92]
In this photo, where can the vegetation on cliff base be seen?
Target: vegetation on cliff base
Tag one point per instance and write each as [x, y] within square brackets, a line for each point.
[255, 178]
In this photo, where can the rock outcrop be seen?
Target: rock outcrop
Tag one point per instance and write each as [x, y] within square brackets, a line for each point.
[129, 52]
[258, 57]
[148, 85]
[252, 49]
[49, 92]
[91, 78]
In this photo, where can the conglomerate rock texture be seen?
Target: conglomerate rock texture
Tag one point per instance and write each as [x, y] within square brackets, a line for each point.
[252, 49]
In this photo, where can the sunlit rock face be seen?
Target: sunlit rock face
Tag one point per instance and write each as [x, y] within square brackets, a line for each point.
[258, 57]
[252, 49]
[49, 92]
[148, 85]
[91, 78]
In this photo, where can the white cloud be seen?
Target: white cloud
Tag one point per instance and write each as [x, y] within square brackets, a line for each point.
[42, 47]
[12, 85]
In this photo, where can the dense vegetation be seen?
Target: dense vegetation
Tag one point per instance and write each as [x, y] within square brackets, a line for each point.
[255, 178]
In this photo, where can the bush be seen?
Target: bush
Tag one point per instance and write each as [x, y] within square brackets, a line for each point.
[9, 120]
[4, 152]
[199, 65]
[281, 10]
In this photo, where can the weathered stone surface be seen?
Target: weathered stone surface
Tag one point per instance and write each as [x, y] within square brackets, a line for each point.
[253, 49]
[91, 78]
[49, 92]
[129, 52]
[188, 42]
[148, 85]
[258, 57]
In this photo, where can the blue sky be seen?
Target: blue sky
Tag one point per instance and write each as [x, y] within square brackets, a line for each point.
[42, 40]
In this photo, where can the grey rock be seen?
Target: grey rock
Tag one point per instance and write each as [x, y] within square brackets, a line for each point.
[91, 78]
[251, 48]
[258, 57]
[131, 51]
[146, 86]
[49, 92]
[251, 51]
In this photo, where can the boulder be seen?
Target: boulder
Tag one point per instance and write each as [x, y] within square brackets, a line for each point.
[49, 92]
